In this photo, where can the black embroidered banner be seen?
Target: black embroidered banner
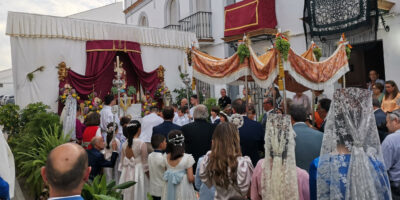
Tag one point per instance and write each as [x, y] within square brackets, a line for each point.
[327, 17]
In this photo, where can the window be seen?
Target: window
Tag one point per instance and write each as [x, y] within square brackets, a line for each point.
[143, 21]
[172, 12]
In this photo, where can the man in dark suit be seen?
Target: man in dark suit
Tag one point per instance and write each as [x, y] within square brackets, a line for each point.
[96, 158]
[198, 134]
[380, 118]
[66, 172]
[323, 109]
[251, 133]
[308, 140]
[167, 126]
[268, 106]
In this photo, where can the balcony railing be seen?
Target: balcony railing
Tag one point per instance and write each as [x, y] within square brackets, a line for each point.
[199, 23]
[173, 27]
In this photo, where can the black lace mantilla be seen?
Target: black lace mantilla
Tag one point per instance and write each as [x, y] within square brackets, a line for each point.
[327, 17]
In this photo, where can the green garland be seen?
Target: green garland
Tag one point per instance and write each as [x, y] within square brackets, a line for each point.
[317, 53]
[243, 52]
[348, 52]
[283, 47]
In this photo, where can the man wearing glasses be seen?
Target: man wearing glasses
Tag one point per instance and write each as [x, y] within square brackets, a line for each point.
[391, 151]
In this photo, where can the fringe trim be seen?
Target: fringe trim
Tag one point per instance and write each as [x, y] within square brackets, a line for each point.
[224, 80]
[318, 86]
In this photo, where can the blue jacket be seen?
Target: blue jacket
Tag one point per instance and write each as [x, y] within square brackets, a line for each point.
[164, 128]
[4, 189]
[97, 161]
[380, 118]
[251, 139]
[308, 145]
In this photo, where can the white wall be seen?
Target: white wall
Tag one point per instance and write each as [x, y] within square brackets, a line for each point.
[109, 13]
[154, 11]
[7, 80]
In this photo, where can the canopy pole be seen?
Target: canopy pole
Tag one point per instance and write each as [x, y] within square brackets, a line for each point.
[344, 81]
[246, 88]
[284, 95]
[313, 106]
[281, 81]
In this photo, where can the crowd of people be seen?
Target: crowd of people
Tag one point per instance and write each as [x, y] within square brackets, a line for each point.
[349, 151]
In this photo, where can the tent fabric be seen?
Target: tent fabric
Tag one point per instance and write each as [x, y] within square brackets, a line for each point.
[318, 75]
[29, 52]
[221, 71]
[302, 71]
[42, 26]
[249, 15]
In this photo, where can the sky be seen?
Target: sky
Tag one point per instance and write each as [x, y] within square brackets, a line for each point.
[45, 7]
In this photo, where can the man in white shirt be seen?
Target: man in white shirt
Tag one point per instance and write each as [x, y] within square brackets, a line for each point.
[66, 172]
[107, 116]
[182, 118]
[194, 101]
[148, 122]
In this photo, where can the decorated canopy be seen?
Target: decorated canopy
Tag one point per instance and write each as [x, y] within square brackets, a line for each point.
[302, 71]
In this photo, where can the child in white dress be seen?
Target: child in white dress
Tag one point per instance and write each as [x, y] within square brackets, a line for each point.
[179, 175]
[133, 165]
[157, 165]
[111, 173]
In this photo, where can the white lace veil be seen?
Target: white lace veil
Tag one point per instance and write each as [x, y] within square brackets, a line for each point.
[69, 121]
[351, 126]
[279, 177]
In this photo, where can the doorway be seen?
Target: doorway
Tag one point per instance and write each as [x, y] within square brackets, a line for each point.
[365, 57]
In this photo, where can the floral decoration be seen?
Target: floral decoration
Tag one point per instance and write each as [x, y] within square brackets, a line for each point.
[161, 90]
[68, 91]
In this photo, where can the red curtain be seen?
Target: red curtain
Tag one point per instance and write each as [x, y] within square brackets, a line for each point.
[101, 55]
[249, 15]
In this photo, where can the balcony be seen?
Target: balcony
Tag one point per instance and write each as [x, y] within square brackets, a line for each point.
[198, 23]
[173, 27]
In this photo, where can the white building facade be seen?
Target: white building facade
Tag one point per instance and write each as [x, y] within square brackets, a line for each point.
[206, 19]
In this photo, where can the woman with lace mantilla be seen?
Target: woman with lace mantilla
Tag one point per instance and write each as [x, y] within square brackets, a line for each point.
[350, 165]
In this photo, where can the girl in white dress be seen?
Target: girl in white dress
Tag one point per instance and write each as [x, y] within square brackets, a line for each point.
[179, 174]
[112, 174]
[133, 163]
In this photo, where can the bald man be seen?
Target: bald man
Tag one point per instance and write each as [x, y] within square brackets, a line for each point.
[96, 158]
[66, 171]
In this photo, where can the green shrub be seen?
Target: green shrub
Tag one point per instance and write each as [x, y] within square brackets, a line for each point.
[31, 110]
[210, 102]
[9, 118]
[39, 121]
[30, 159]
[98, 189]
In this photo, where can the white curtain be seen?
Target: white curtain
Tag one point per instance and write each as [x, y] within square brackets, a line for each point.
[30, 53]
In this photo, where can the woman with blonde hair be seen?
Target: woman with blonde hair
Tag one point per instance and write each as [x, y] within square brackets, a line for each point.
[224, 166]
